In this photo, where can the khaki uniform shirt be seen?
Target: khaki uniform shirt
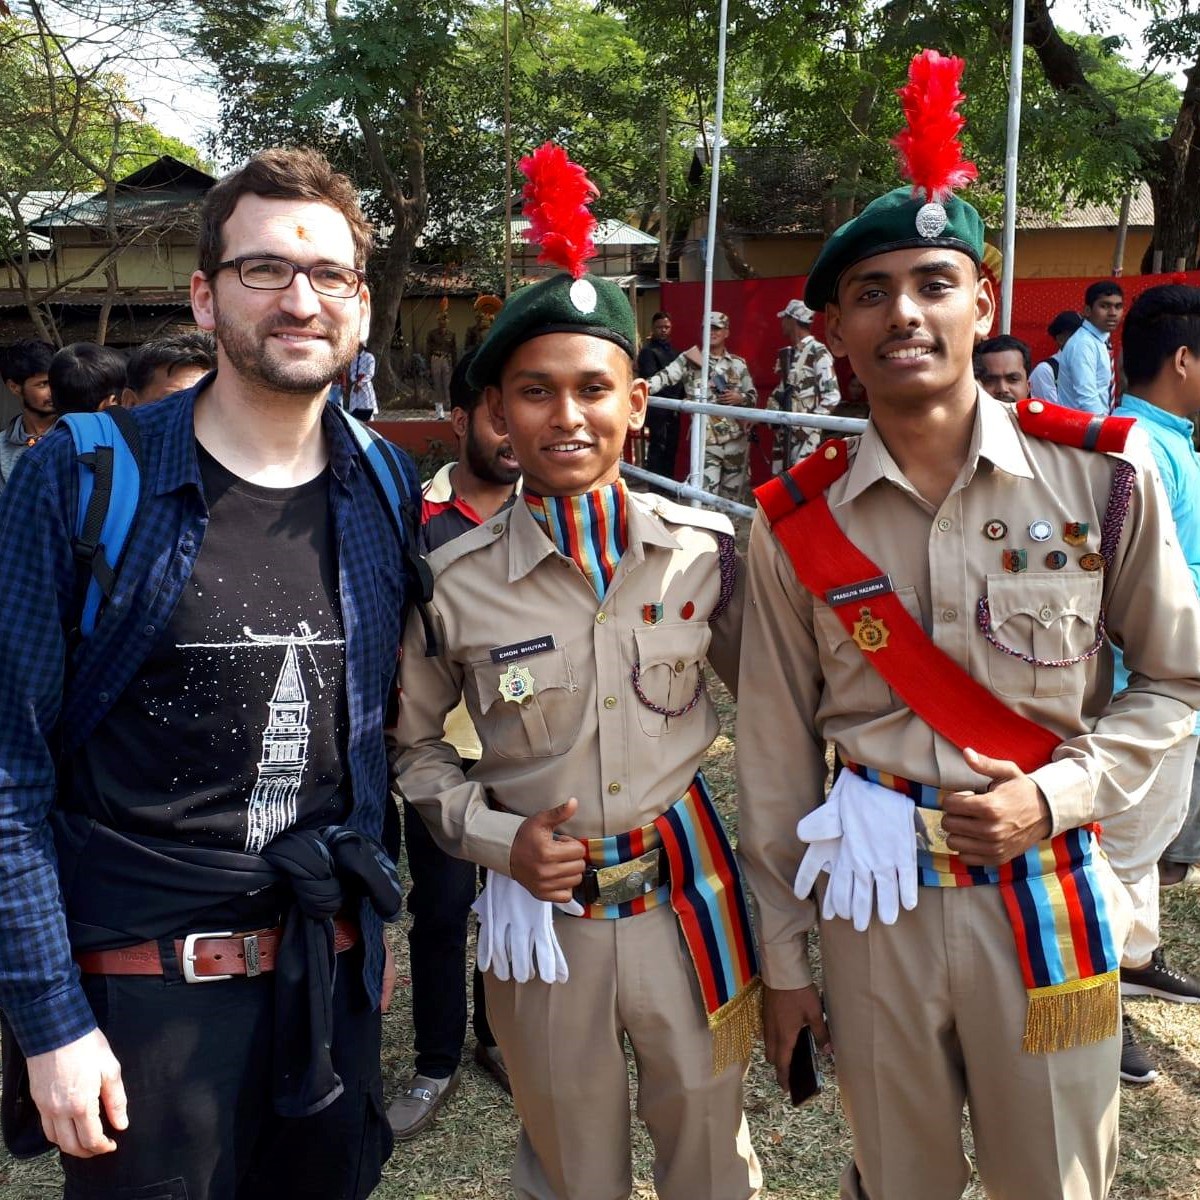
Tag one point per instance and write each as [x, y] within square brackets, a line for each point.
[805, 681]
[584, 732]
[736, 374]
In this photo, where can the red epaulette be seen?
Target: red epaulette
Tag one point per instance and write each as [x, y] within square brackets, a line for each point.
[1070, 427]
[805, 481]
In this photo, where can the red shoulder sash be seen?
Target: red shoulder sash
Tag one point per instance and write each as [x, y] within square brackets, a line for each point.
[929, 681]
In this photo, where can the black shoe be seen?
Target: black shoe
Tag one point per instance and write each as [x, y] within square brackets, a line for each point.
[1158, 979]
[1136, 1066]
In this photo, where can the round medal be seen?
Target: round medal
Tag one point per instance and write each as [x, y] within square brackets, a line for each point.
[1092, 562]
[1041, 531]
[1056, 560]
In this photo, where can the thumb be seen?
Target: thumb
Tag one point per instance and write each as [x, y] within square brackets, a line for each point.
[552, 818]
[993, 768]
[112, 1096]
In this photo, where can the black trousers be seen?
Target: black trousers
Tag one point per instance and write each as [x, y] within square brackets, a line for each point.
[443, 890]
[663, 428]
[196, 1062]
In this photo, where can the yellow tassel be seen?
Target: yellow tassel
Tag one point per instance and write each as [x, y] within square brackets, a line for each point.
[1072, 1014]
[735, 1025]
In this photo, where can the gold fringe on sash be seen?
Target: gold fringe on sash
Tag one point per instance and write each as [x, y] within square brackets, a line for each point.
[735, 1026]
[1071, 1014]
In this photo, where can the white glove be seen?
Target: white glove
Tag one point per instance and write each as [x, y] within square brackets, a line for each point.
[877, 862]
[516, 932]
[822, 830]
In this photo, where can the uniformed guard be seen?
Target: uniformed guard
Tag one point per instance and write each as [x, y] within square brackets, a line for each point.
[936, 599]
[575, 625]
[807, 383]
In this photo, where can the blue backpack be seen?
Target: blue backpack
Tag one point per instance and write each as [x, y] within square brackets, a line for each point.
[108, 449]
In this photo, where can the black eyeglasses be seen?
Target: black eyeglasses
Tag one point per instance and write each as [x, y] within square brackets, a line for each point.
[267, 274]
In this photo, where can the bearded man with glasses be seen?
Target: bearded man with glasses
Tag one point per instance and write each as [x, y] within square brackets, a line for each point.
[211, 759]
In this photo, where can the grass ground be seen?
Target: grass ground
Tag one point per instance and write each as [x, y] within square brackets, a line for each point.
[466, 1155]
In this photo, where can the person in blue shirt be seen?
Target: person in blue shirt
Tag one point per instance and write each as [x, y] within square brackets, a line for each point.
[211, 758]
[1085, 365]
[1157, 842]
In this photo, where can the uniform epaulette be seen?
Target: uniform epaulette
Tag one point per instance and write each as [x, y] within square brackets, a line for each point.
[805, 481]
[1071, 427]
[469, 542]
[683, 514]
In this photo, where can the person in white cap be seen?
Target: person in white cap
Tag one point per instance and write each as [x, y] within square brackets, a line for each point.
[729, 382]
[807, 383]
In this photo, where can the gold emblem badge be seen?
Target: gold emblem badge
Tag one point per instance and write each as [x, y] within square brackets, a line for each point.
[870, 634]
[516, 684]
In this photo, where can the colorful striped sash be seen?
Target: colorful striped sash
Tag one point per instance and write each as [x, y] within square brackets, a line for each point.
[591, 529]
[705, 892]
[1060, 924]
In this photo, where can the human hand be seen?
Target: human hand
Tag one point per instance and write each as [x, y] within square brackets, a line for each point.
[730, 396]
[990, 828]
[549, 867]
[389, 975]
[69, 1084]
[785, 1013]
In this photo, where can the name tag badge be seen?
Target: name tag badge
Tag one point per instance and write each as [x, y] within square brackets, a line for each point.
[537, 645]
[865, 589]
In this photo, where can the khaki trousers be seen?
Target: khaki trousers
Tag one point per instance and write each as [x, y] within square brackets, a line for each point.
[1135, 839]
[564, 1045]
[927, 1015]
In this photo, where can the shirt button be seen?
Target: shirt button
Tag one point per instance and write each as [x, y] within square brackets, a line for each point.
[610, 702]
[103, 697]
[498, 528]
[614, 788]
[945, 525]
[1046, 613]
[949, 614]
[601, 617]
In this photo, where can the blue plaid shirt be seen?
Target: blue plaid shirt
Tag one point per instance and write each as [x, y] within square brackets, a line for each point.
[52, 697]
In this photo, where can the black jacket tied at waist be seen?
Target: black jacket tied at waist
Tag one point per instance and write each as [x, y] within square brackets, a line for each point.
[121, 889]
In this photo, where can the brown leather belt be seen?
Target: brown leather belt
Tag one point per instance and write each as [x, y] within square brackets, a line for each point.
[207, 957]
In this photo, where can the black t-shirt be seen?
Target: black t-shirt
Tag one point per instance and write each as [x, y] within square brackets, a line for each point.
[235, 727]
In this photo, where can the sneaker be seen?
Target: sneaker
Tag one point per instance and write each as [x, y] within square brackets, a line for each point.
[492, 1061]
[415, 1108]
[1136, 1066]
[1159, 979]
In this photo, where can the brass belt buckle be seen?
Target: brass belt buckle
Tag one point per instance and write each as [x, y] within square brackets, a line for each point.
[930, 834]
[628, 880]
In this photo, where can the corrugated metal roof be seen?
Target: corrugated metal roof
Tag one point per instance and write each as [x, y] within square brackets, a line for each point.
[609, 232]
[1095, 216]
[11, 298]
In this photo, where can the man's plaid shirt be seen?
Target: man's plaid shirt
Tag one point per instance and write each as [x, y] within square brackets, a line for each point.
[54, 695]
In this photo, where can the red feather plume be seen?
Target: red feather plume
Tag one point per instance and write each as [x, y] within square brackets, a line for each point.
[930, 152]
[556, 197]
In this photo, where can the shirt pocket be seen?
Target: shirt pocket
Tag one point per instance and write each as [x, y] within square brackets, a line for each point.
[851, 681]
[668, 675]
[1038, 624]
[544, 722]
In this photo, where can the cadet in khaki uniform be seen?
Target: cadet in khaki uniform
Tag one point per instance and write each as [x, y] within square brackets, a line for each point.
[729, 382]
[974, 961]
[576, 625]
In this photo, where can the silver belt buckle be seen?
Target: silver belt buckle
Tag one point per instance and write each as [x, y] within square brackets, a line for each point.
[189, 957]
[628, 880]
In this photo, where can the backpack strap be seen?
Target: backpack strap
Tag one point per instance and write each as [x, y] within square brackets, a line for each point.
[108, 449]
[396, 480]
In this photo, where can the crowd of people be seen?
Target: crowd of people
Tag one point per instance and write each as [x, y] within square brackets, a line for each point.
[244, 675]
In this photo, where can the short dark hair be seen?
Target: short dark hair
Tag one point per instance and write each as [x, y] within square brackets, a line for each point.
[83, 375]
[997, 345]
[283, 175]
[1102, 287]
[1065, 322]
[197, 349]
[660, 316]
[462, 394]
[25, 359]
[1160, 320]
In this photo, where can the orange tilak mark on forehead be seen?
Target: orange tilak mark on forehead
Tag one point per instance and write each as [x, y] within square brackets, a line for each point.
[301, 232]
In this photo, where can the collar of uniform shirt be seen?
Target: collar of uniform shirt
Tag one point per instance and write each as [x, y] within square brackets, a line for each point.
[994, 437]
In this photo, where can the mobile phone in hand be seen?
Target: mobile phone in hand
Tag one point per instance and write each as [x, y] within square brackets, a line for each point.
[804, 1075]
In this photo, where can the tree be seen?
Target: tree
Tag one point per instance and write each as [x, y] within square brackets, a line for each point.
[70, 128]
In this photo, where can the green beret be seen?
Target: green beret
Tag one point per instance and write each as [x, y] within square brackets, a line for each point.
[895, 221]
[560, 304]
